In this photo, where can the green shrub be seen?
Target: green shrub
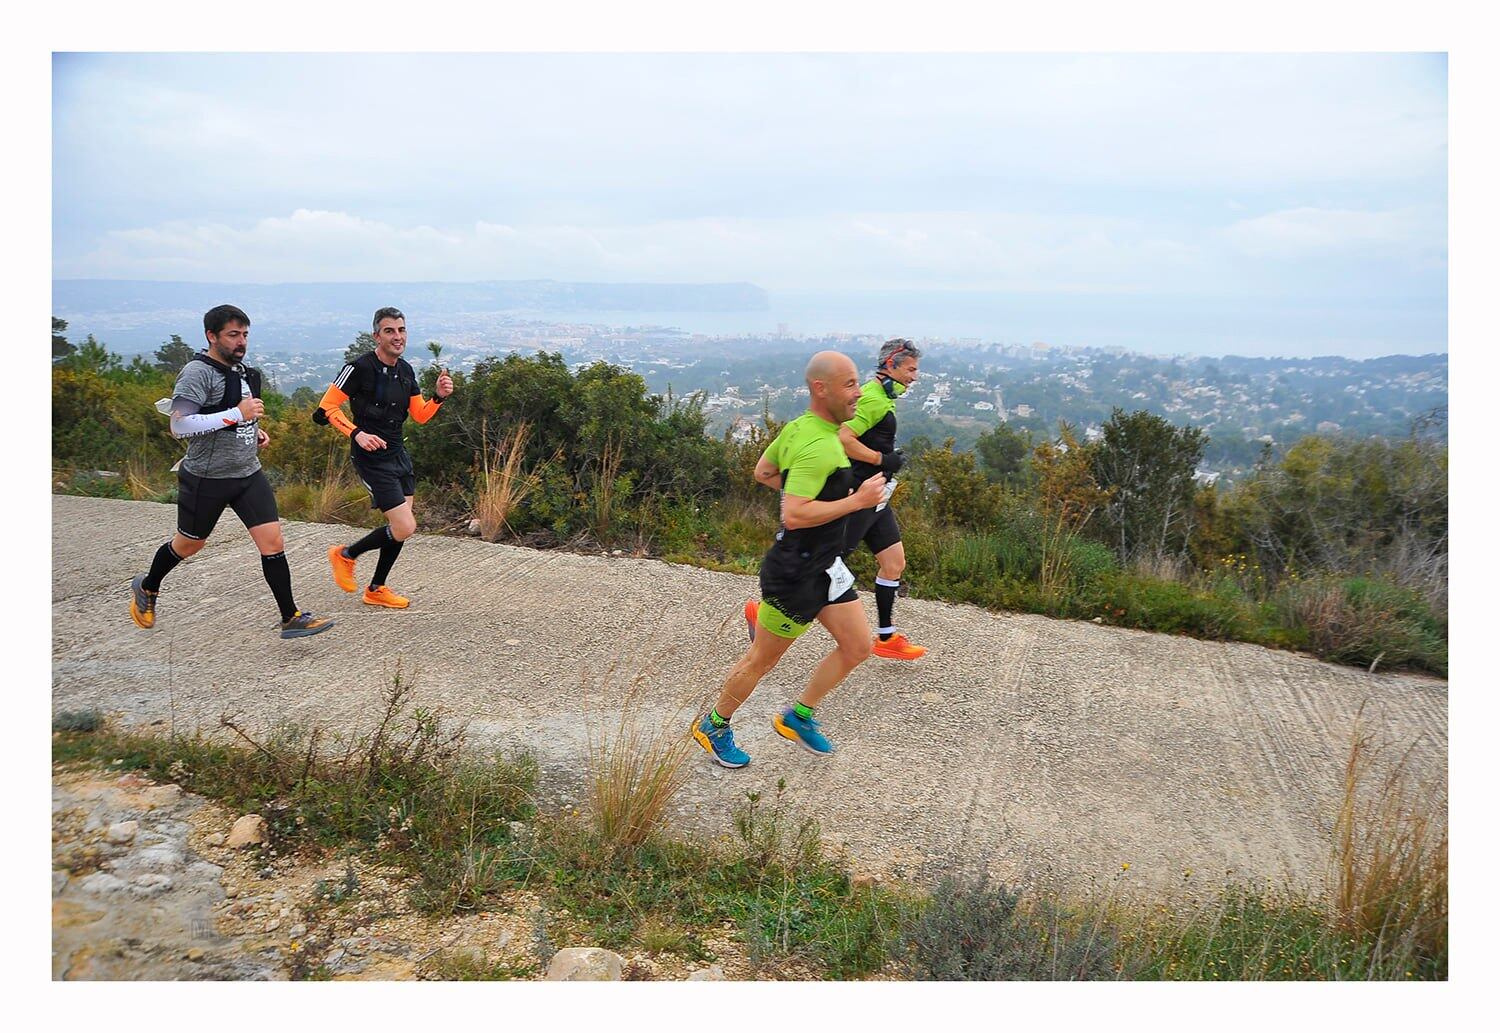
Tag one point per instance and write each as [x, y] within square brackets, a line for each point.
[78, 721]
[1365, 621]
[971, 930]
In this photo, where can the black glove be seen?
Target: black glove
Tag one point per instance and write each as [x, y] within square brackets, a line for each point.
[892, 462]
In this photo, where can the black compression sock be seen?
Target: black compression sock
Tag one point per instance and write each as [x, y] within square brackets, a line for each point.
[885, 603]
[374, 540]
[388, 553]
[161, 566]
[279, 577]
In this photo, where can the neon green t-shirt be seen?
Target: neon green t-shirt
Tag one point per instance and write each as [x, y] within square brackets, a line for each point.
[874, 406]
[807, 452]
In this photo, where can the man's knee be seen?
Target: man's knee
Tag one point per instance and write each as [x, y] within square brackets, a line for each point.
[403, 528]
[184, 546]
[856, 651]
[891, 569]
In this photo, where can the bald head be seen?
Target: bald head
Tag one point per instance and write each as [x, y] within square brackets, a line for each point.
[829, 367]
[832, 386]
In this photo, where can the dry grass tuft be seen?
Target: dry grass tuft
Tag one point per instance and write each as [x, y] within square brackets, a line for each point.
[336, 499]
[1390, 879]
[638, 764]
[503, 484]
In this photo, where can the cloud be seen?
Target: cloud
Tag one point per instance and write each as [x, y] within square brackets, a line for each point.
[871, 250]
[1313, 232]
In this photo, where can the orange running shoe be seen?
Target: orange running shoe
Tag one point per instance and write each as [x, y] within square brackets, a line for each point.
[142, 603]
[343, 568]
[898, 647]
[383, 596]
[752, 611]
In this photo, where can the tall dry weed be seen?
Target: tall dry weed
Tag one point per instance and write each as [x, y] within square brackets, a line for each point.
[636, 768]
[503, 483]
[1390, 858]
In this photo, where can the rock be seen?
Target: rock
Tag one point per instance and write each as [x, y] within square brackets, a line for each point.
[273, 925]
[864, 882]
[579, 964]
[163, 796]
[1098, 620]
[194, 954]
[132, 780]
[214, 839]
[59, 881]
[504, 939]
[166, 857]
[712, 972]
[150, 885]
[297, 931]
[474, 526]
[512, 642]
[101, 882]
[231, 890]
[249, 830]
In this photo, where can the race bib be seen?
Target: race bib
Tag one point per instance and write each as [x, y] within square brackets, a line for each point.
[840, 580]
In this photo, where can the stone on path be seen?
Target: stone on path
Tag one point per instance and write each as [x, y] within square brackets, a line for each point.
[247, 831]
[122, 832]
[576, 964]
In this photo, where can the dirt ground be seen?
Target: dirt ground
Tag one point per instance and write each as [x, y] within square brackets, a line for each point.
[1051, 751]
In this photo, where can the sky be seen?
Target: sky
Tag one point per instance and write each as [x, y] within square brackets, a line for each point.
[1310, 187]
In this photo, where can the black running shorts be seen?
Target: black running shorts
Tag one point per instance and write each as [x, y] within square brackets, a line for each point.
[201, 501]
[387, 474]
[789, 604]
[877, 530]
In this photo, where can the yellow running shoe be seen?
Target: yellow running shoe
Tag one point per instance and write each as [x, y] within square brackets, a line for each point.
[343, 568]
[898, 647]
[383, 596]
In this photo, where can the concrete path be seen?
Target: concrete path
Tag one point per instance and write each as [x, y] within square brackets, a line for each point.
[1042, 749]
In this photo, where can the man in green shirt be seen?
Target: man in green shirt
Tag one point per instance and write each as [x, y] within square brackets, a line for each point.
[870, 441]
[803, 577]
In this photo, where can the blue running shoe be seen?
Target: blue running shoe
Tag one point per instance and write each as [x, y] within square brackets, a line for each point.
[720, 743]
[802, 730]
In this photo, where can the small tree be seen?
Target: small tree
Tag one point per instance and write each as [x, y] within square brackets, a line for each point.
[61, 346]
[1002, 453]
[1149, 464]
[173, 355]
[364, 342]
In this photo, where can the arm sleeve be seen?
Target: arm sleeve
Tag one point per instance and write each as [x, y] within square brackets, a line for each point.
[331, 402]
[420, 410]
[188, 422]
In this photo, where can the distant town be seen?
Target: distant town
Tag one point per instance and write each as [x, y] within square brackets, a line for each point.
[967, 386]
